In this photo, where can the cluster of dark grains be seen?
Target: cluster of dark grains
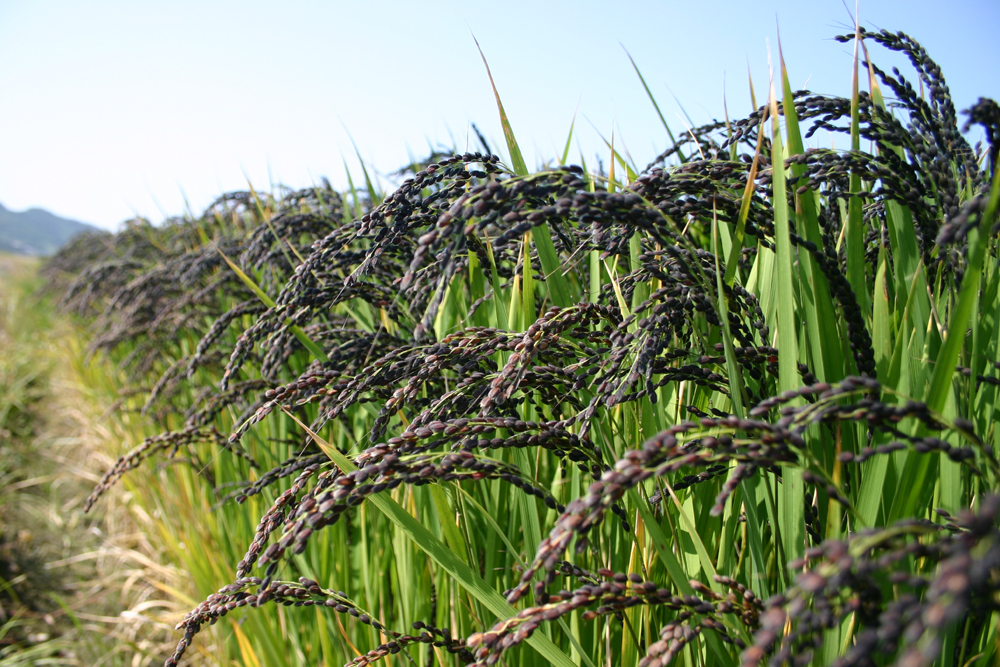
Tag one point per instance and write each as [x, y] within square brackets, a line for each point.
[306, 215]
[171, 442]
[981, 379]
[954, 585]
[566, 350]
[77, 255]
[199, 427]
[986, 112]
[304, 593]
[922, 445]
[218, 328]
[967, 218]
[690, 480]
[274, 518]
[335, 493]
[932, 142]
[285, 469]
[752, 444]
[339, 269]
[430, 635]
[147, 288]
[616, 592]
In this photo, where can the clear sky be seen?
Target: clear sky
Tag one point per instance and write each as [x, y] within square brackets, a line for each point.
[114, 108]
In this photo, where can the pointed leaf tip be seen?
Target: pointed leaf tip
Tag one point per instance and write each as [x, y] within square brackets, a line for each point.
[517, 160]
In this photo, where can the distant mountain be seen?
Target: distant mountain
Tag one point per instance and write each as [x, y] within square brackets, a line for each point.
[36, 231]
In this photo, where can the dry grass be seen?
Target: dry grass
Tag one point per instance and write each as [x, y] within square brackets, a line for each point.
[81, 589]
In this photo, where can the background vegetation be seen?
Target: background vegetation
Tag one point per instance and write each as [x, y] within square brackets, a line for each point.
[75, 589]
[733, 407]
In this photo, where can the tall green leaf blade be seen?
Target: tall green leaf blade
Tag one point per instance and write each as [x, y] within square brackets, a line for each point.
[558, 287]
[569, 138]
[790, 509]
[944, 368]
[820, 311]
[656, 106]
[855, 224]
[947, 359]
[734, 371]
[676, 571]
[733, 261]
[516, 159]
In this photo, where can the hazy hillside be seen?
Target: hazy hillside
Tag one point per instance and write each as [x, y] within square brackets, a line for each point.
[36, 231]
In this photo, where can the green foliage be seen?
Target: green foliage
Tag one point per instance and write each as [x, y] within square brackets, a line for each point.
[23, 378]
[775, 366]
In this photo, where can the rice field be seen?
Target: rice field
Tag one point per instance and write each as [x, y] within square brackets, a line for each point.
[735, 406]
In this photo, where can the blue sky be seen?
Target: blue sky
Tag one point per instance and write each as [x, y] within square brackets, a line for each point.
[111, 109]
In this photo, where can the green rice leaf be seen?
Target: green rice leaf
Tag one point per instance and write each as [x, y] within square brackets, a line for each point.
[792, 521]
[517, 161]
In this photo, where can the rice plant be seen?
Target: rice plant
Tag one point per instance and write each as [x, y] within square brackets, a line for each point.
[736, 407]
